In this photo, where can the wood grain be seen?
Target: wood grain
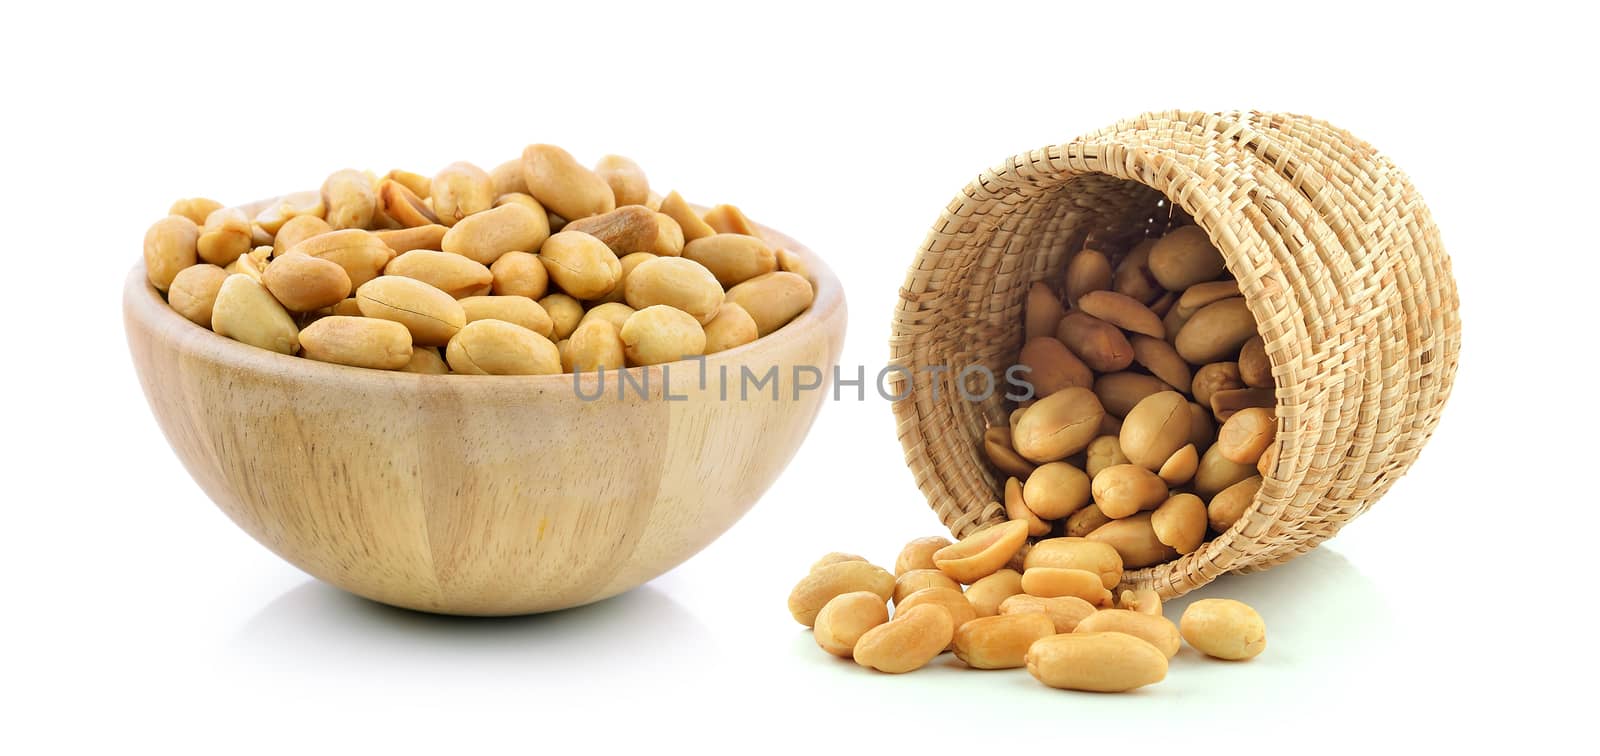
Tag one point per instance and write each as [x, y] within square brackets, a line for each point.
[478, 495]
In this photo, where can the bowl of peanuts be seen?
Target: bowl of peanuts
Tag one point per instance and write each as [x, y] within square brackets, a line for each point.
[481, 392]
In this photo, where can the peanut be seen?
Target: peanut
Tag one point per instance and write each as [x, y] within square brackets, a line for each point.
[908, 641]
[727, 219]
[845, 618]
[1123, 490]
[633, 228]
[677, 282]
[1255, 369]
[1050, 582]
[565, 313]
[404, 207]
[981, 553]
[425, 361]
[454, 275]
[1224, 629]
[1135, 541]
[403, 240]
[519, 274]
[359, 252]
[677, 208]
[495, 347]
[1059, 425]
[521, 311]
[245, 311]
[1154, 429]
[1099, 344]
[819, 587]
[1245, 436]
[1229, 504]
[961, 610]
[1077, 554]
[1141, 600]
[772, 299]
[990, 591]
[563, 185]
[459, 190]
[1056, 490]
[196, 209]
[194, 292]
[1052, 366]
[1161, 360]
[835, 557]
[1216, 472]
[916, 580]
[730, 327]
[1213, 377]
[997, 445]
[659, 333]
[616, 313]
[303, 283]
[1122, 311]
[1001, 641]
[626, 179]
[296, 230]
[1088, 271]
[1180, 522]
[1098, 662]
[1216, 332]
[1085, 521]
[358, 342]
[1017, 509]
[1121, 392]
[1181, 466]
[580, 264]
[1157, 630]
[1041, 314]
[432, 316]
[225, 236]
[918, 554]
[1103, 452]
[1185, 257]
[1065, 612]
[732, 258]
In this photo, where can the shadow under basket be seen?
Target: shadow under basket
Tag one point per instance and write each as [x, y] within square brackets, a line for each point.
[1335, 254]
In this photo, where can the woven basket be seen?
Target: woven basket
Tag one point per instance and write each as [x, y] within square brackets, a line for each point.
[1335, 253]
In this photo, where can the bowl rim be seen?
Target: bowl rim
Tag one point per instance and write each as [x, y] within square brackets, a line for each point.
[143, 304]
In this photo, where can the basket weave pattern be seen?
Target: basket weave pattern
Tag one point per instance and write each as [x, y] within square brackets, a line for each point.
[1334, 251]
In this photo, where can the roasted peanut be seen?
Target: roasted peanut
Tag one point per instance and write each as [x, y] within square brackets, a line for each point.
[225, 235]
[1185, 257]
[845, 618]
[565, 314]
[1133, 278]
[521, 311]
[1181, 466]
[1100, 345]
[677, 208]
[350, 199]
[1202, 430]
[908, 641]
[1225, 403]
[615, 313]
[732, 258]
[358, 342]
[1141, 600]
[196, 209]
[1050, 582]
[247, 265]
[403, 240]
[303, 283]
[1017, 509]
[519, 274]
[420, 185]
[816, 589]
[563, 185]
[1059, 425]
[987, 593]
[997, 445]
[773, 299]
[1065, 612]
[918, 554]
[1098, 662]
[425, 361]
[1254, 367]
[1158, 631]
[660, 333]
[633, 228]
[580, 264]
[727, 219]
[1224, 629]
[1052, 366]
[961, 610]
[1154, 429]
[1123, 490]
[1216, 332]
[296, 230]
[981, 553]
[1056, 490]
[1041, 313]
[194, 291]
[729, 328]
[1246, 435]
[1202, 294]
[1217, 472]
[1000, 641]
[1122, 311]
[272, 218]
[677, 282]
[454, 275]
[629, 262]
[245, 311]
[1161, 360]
[404, 207]
[1088, 271]
[915, 580]
[626, 179]
[485, 236]
[1180, 522]
[1085, 521]
[1229, 504]
[1103, 452]
[1268, 461]
[1214, 377]
[1077, 554]
[1135, 541]
[432, 316]
[359, 252]
[1120, 392]
[459, 190]
[495, 347]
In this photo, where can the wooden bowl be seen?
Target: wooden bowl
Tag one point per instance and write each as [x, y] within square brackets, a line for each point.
[480, 495]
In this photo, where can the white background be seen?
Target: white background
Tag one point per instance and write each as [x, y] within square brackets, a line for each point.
[135, 613]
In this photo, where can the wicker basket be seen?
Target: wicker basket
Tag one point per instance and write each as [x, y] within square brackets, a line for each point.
[1335, 253]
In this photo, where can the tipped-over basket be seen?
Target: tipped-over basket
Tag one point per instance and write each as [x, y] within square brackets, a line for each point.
[1335, 253]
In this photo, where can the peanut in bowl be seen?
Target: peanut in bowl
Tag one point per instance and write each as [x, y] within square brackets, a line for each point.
[479, 494]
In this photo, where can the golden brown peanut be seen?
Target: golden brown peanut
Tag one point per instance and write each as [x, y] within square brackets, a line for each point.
[1135, 541]
[835, 557]
[303, 283]
[1254, 367]
[1245, 436]
[452, 274]
[1085, 521]
[1161, 360]
[1097, 662]
[523, 198]
[1156, 630]
[677, 282]
[1123, 490]
[1154, 429]
[1224, 404]
[732, 258]
[359, 252]
[507, 178]
[918, 554]
[403, 206]
[1122, 311]
[485, 236]
[563, 185]
[1064, 612]
[349, 198]
[459, 190]
[1041, 314]
[403, 240]
[1214, 377]
[1099, 344]
[987, 593]
[997, 446]
[1200, 295]
[626, 179]
[730, 327]
[432, 316]
[658, 334]
[495, 347]
[908, 641]
[1141, 600]
[1052, 366]
[521, 311]
[194, 291]
[424, 361]
[615, 313]
[196, 209]
[1133, 277]
[296, 230]
[580, 264]
[245, 311]
[1202, 430]
[1216, 332]
[675, 207]
[225, 235]
[358, 342]
[519, 274]
[1000, 641]
[1230, 503]
[1181, 466]
[628, 262]
[1217, 472]
[1180, 522]
[1050, 582]
[819, 587]
[1185, 257]
[420, 185]
[915, 580]
[845, 618]
[982, 553]
[272, 218]
[1056, 490]
[1071, 553]
[633, 228]
[727, 219]
[1103, 452]
[245, 264]
[1088, 271]
[1268, 461]
[1120, 392]
[565, 314]
[1224, 629]
[1058, 426]
[773, 299]
[1017, 509]
[961, 610]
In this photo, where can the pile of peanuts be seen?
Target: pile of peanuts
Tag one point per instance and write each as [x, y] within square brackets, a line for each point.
[1135, 360]
[1057, 617]
[540, 266]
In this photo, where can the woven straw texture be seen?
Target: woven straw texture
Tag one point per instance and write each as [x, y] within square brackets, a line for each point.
[1335, 253]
